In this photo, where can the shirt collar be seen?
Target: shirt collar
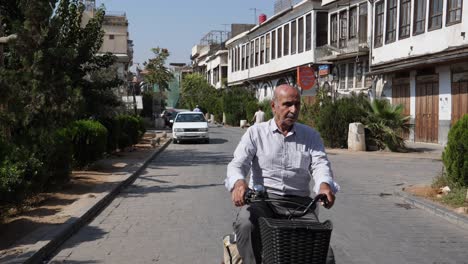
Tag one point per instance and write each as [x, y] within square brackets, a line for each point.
[274, 128]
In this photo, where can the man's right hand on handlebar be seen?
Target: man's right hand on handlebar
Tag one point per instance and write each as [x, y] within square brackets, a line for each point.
[238, 192]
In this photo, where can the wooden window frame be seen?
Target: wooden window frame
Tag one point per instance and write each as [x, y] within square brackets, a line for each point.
[353, 22]
[300, 38]
[405, 19]
[451, 9]
[417, 8]
[286, 38]
[308, 32]
[391, 22]
[293, 37]
[334, 30]
[362, 23]
[378, 38]
[433, 15]
[343, 29]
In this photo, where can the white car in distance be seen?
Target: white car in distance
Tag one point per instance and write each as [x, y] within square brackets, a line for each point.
[190, 126]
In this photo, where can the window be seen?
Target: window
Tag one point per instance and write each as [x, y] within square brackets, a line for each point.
[111, 36]
[262, 50]
[238, 59]
[293, 37]
[352, 22]
[267, 48]
[243, 58]
[300, 39]
[280, 42]
[334, 30]
[435, 14]
[321, 29]
[454, 11]
[247, 57]
[363, 23]
[350, 76]
[342, 76]
[343, 28]
[405, 18]
[308, 34]
[252, 54]
[286, 40]
[257, 51]
[232, 59]
[419, 16]
[379, 18]
[273, 44]
[390, 35]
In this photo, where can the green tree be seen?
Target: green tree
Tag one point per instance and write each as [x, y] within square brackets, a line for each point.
[51, 77]
[158, 74]
[197, 91]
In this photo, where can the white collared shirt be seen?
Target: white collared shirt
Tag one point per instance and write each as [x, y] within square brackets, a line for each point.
[283, 164]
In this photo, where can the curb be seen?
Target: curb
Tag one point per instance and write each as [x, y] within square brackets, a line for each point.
[47, 242]
[458, 219]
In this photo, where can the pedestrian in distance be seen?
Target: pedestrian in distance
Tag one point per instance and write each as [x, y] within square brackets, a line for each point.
[196, 109]
[259, 116]
[283, 156]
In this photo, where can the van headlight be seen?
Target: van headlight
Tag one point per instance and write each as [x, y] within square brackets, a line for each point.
[178, 130]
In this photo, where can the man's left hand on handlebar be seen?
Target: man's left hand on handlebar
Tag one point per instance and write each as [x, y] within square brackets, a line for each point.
[326, 189]
[238, 192]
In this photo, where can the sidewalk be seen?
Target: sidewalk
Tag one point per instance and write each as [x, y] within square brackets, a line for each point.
[116, 172]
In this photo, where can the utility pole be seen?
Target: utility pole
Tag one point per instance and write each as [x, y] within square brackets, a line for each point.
[255, 14]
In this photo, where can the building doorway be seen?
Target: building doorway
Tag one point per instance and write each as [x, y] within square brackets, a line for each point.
[427, 108]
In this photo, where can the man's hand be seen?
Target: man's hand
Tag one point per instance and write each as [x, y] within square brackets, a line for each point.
[237, 194]
[326, 189]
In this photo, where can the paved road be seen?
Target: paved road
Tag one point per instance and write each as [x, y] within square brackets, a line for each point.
[178, 210]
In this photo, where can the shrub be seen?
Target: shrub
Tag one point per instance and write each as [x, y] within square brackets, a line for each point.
[239, 103]
[18, 173]
[385, 124]
[455, 155]
[89, 139]
[132, 129]
[334, 117]
[58, 157]
[266, 107]
[114, 130]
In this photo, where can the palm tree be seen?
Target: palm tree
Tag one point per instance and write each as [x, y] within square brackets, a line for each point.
[386, 123]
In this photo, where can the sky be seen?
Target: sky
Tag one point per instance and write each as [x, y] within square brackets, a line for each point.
[178, 25]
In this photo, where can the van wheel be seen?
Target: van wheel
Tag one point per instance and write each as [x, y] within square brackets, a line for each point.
[175, 141]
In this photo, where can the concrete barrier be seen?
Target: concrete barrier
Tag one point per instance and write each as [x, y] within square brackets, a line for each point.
[356, 137]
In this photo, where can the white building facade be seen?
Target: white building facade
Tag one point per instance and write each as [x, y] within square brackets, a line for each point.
[420, 59]
[268, 55]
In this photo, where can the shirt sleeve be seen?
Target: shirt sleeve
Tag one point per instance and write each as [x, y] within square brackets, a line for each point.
[320, 166]
[240, 165]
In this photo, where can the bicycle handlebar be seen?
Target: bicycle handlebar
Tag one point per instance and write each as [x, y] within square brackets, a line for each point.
[259, 195]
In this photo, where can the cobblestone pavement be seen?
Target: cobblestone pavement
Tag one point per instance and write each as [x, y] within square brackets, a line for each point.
[178, 210]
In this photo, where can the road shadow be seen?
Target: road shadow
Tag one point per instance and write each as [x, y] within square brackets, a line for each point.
[141, 191]
[188, 157]
[213, 141]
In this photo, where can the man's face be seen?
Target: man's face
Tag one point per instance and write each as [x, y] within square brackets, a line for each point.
[286, 106]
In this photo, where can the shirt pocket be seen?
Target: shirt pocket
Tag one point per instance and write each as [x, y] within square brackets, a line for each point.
[301, 160]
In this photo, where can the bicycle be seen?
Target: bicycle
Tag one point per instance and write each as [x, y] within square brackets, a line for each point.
[290, 239]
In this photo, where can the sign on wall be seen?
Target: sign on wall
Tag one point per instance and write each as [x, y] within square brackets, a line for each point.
[324, 70]
[305, 77]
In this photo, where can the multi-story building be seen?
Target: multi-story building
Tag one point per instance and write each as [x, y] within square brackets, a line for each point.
[419, 56]
[116, 41]
[210, 57]
[268, 54]
[348, 45]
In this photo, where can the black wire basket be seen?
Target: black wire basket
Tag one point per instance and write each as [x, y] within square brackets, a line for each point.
[294, 241]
